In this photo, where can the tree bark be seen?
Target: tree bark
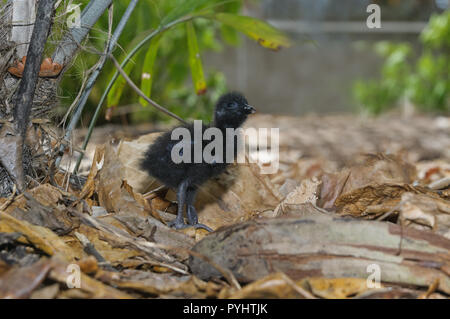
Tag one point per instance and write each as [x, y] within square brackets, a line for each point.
[24, 98]
[12, 137]
[317, 245]
[44, 97]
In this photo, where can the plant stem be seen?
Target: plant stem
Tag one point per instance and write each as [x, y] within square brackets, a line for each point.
[157, 31]
[68, 46]
[90, 83]
[141, 94]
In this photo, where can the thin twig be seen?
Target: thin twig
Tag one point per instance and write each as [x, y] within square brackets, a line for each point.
[149, 247]
[90, 83]
[298, 289]
[226, 273]
[90, 249]
[153, 263]
[157, 31]
[390, 212]
[9, 200]
[141, 94]
[70, 42]
[87, 75]
[154, 193]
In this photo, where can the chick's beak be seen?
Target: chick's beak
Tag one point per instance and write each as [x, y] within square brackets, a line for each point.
[249, 109]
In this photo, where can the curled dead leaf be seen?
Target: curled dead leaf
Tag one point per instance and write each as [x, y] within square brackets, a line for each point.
[48, 68]
[425, 212]
[375, 169]
[307, 192]
[276, 285]
[336, 288]
[19, 66]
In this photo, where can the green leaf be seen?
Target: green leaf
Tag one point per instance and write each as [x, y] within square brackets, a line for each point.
[147, 70]
[194, 60]
[114, 95]
[230, 35]
[184, 8]
[258, 30]
[116, 91]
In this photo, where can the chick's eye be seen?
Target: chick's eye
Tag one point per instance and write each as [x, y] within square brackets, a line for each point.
[232, 105]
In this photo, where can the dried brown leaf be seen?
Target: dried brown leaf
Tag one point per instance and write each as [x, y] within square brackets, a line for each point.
[40, 237]
[425, 212]
[374, 170]
[335, 288]
[19, 282]
[272, 286]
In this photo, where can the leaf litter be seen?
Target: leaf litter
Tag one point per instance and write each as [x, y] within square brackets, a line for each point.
[312, 230]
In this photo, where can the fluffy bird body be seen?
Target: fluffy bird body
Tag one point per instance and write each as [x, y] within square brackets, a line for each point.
[231, 111]
[158, 161]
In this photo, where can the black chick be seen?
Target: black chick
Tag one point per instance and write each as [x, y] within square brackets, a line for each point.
[231, 111]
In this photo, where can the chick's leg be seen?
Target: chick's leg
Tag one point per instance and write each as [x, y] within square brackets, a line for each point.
[178, 222]
[190, 210]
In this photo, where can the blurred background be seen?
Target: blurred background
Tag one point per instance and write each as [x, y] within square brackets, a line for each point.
[336, 63]
[320, 76]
